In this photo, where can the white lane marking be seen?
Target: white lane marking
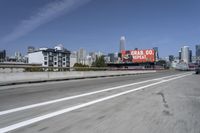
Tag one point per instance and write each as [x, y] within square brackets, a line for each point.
[77, 96]
[50, 115]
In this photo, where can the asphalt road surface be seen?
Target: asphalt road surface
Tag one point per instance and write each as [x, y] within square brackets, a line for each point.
[162, 102]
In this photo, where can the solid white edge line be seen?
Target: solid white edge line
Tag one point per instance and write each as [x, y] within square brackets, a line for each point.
[50, 115]
[77, 96]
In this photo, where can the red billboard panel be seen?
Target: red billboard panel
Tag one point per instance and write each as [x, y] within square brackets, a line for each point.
[138, 56]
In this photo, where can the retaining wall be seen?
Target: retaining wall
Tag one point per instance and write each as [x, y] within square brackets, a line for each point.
[41, 76]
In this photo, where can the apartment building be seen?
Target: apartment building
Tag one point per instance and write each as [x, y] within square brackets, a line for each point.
[48, 57]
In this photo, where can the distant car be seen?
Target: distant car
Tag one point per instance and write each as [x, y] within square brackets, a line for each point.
[197, 70]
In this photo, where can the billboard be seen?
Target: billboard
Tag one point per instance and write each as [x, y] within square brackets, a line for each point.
[138, 56]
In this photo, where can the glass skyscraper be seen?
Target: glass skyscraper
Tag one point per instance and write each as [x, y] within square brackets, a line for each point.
[185, 54]
[156, 53]
[197, 50]
[2, 55]
[198, 54]
[122, 43]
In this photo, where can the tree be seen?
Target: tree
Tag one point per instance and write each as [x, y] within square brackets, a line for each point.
[100, 62]
[80, 65]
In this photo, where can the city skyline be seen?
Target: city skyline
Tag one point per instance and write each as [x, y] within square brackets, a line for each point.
[104, 53]
[95, 26]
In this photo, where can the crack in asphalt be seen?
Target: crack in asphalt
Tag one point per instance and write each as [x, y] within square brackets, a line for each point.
[163, 99]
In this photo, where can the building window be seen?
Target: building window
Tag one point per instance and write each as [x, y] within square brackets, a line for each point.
[54, 54]
[51, 58]
[50, 53]
[45, 63]
[45, 58]
[50, 63]
[63, 59]
[55, 63]
[59, 63]
[63, 64]
[55, 59]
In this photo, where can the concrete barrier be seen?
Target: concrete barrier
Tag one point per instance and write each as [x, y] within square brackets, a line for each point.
[22, 77]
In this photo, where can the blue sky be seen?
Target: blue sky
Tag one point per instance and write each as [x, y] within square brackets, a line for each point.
[97, 25]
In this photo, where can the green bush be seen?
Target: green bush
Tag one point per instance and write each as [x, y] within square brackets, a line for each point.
[34, 69]
[81, 67]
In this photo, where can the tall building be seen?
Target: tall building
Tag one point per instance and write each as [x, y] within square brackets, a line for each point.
[197, 50]
[190, 55]
[2, 55]
[112, 57]
[185, 54]
[156, 53]
[82, 56]
[89, 60]
[93, 56]
[73, 58]
[107, 59]
[198, 54]
[179, 54]
[117, 57]
[18, 57]
[171, 58]
[48, 57]
[99, 54]
[122, 43]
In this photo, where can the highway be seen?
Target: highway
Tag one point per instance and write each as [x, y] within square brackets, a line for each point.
[161, 102]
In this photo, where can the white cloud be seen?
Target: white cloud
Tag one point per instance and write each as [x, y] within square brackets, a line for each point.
[44, 15]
